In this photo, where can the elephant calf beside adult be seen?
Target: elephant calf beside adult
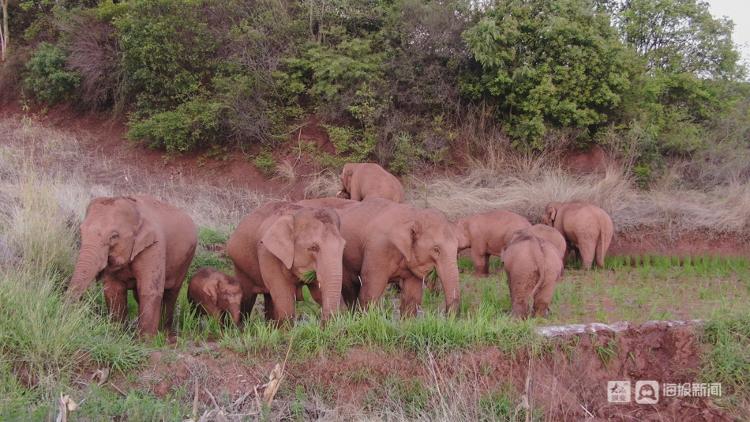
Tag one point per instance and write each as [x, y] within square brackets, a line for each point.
[275, 249]
[216, 294]
[588, 228]
[135, 243]
[360, 181]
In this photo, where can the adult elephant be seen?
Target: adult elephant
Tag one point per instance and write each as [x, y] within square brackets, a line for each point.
[276, 248]
[533, 266]
[588, 228]
[487, 234]
[139, 243]
[550, 234]
[369, 180]
[390, 242]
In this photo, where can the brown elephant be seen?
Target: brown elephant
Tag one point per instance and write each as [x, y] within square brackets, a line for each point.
[137, 243]
[216, 293]
[549, 234]
[487, 234]
[390, 242]
[369, 180]
[586, 227]
[533, 266]
[276, 248]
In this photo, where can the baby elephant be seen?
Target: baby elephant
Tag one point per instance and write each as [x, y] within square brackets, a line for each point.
[533, 266]
[217, 293]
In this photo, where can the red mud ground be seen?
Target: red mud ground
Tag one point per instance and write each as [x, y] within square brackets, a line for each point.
[568, 383]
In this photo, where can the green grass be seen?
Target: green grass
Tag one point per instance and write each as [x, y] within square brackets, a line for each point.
[634, 289]
[727, 359]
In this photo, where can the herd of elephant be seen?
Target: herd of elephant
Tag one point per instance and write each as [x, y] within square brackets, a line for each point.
[346, 250]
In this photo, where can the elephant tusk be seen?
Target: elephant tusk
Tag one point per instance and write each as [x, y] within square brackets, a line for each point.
[360, 279]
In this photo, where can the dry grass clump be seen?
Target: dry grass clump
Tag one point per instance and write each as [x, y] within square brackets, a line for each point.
[324, 184]
[525, 184]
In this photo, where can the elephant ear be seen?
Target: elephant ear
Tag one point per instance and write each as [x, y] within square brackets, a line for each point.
[403, 238]
[279, 240]
[144, 237]
[346, 176]
[551, 213]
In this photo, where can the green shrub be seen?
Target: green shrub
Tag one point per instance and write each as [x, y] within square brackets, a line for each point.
[46, 75]
[545, 63]
[406, 155]
[192, 125]
[265, 162]
[167, 52]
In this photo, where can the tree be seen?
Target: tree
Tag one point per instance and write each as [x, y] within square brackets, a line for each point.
[4, 34]
[547, 62]
[676, 36]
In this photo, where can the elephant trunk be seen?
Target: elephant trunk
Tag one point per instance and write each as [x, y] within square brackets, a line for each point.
[92, 259]
[234, 312]
[329, 275]
[447, 270]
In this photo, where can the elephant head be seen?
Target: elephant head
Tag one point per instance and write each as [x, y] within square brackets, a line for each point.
[550, 213]
[228, 297]
[462, 235]
[346, 180]
[430, 241]
[308, 240]
[113, 233]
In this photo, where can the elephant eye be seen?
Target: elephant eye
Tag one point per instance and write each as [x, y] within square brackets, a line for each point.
[114, 236]
[436, 249]
[314, 248]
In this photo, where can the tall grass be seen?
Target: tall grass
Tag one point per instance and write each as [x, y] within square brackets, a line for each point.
[45, 341]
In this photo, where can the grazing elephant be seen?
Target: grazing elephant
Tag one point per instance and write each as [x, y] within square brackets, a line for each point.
[586, 227]
[390, 242]
[533, 266]
[487, 234]
[216, 293]
[137, 243]
[369, 180]
[277, 247]
[549, 234]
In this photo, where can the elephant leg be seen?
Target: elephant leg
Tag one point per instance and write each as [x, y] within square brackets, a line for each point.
[149, 275]
[587, 249]
[169, 301]
[481, 262]
[520, 290]
[411, 296]
[116, 296]
[543, 298]
[374, 281]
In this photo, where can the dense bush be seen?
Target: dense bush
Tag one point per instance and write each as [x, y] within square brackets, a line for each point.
[183, 129]
[547, 63]
[401, 82]
[46, 75]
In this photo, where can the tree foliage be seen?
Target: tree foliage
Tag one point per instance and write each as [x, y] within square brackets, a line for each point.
[547, 62]
[402, 82]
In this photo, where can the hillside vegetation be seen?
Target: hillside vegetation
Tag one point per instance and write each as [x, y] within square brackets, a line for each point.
[407, 83]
